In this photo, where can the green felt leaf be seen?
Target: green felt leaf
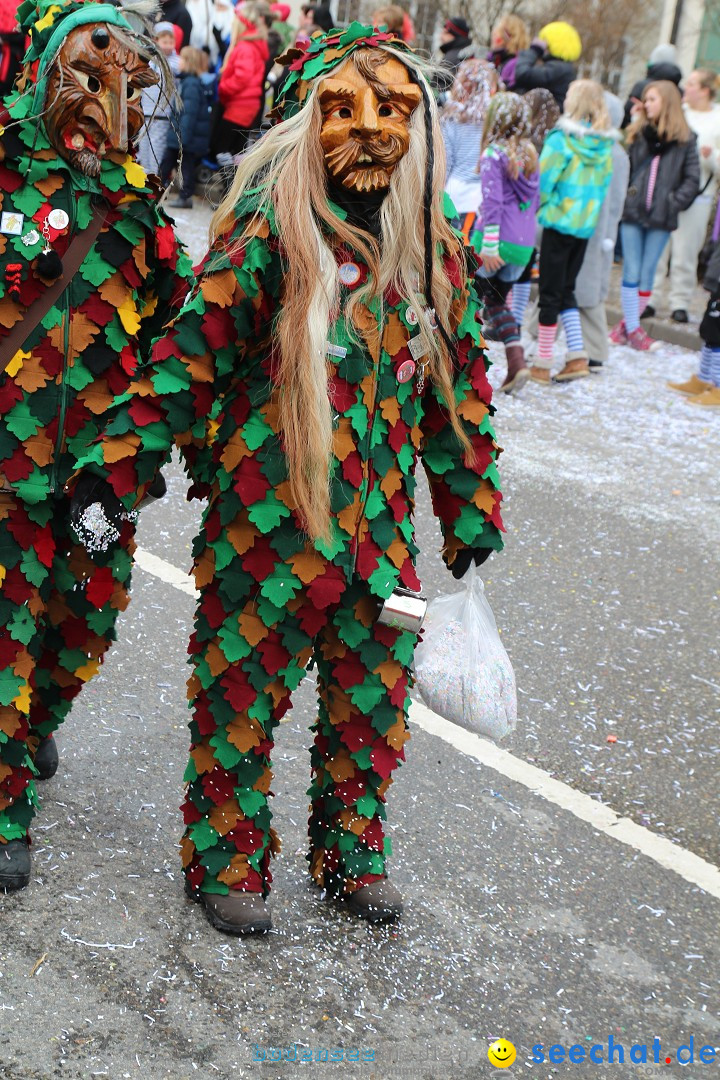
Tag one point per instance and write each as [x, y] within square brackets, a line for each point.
[250, 802]
[96, 271]
[234, 646]
[384, 579]
[350, 630]
[78, 376]
[438, 460]
[268, 514]
[375, 503]
[215, 859]
[359, 419]
[32, 568]
[403, 648]
[10, 685]
[224, 553]
[167, 381]
[115, 335]
[406, 458]
[491, 473]
[227, 754]
[367, 695]
[191, 772]
[367, 805]
[203, 835]
[256, 430]
[21, 422]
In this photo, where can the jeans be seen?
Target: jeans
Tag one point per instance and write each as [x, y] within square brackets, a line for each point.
[508, 272]
[642, 249]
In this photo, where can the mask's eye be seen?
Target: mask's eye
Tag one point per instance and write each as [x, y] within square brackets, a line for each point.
[134, 93]
[89, 82]
[341, 112]
[386, 110]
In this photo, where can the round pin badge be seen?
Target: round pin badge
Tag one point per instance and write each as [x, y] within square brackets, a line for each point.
[31, 238]
[432, 318]
[411, 316]
[58, 219]
[406, 371]
[349, 273]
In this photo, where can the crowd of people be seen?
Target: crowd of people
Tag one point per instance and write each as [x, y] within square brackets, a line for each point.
[546, 169]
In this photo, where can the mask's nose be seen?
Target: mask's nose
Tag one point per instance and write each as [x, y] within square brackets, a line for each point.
[116, 114]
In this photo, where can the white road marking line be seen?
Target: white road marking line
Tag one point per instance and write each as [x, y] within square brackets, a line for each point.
[670, 856]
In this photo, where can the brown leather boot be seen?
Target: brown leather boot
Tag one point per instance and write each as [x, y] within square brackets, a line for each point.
[378, 902]
[236, 913]
[576, 367]
[518, 372]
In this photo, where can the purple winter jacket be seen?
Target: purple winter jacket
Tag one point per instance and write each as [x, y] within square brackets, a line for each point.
[510, 204]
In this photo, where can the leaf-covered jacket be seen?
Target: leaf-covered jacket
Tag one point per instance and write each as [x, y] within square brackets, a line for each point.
[87, 347]
[217, 360]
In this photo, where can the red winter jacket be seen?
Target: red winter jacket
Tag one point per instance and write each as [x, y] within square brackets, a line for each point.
[242, 80]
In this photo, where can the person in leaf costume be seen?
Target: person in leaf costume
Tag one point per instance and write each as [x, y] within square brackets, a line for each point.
[66, 174]
[333, 339]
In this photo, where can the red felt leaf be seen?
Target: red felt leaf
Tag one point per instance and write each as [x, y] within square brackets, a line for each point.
[342, 394]
[123, 477]
[355, 735]
[398, 435]
[143, 411]
[44, 545]
[352, 469]
[385, 758]
[98, 309]
[17, 467]
[260, 560]
[190, 812]
[218, 785]
[213, 610]
[250, 484]
[349, 671]
[165, 240]
[409, 577]
[100, 587]
[351, 790]
[237, 689]
[273, 655]
[203, 717]
[325, 590]
[246, 837]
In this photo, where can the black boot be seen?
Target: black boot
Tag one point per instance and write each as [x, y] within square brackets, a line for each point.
[46, 758]
[14, 865]
[378, 902]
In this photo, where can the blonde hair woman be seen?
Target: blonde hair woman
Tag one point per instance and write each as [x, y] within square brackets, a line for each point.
[664, 179]
[703, 117]
[509, 36]
[241, 86]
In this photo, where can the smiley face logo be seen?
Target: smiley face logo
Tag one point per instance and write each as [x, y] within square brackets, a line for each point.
[501, 1053]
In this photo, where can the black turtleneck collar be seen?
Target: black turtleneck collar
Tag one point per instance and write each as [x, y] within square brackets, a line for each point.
[362, 208]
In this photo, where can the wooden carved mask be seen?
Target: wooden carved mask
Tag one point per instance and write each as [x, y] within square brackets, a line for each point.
[94, 96]
[366, 104]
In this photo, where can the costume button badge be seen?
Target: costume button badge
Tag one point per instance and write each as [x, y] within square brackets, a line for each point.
[349, 273]
[58, 219]
[11, 223]
[405, 371]
[411, 317]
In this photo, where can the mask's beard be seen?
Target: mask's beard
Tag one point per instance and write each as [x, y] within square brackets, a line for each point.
[365, 166]
[84, 161]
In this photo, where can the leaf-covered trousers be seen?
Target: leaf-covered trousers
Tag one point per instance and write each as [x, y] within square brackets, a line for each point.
[57, 620]
[248, 656]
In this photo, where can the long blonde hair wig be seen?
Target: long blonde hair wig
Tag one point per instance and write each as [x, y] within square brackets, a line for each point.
[289, 167]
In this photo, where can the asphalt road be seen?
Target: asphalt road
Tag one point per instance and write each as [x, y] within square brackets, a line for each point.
[521, 921]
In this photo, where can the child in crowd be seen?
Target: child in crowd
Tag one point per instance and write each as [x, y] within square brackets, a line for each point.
[664, 179]
[575, 171]
[509, 37]
[544, 115]
[157, 102]
[462, 120]
[506, 223]
[190, 131]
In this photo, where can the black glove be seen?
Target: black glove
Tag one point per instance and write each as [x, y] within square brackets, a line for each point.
[464, 557]
[157, 490]
[96, 529]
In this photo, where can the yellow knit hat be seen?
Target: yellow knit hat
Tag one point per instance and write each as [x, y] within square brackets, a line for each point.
[562, 40]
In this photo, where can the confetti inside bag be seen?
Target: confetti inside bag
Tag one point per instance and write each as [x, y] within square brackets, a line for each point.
[461, 666]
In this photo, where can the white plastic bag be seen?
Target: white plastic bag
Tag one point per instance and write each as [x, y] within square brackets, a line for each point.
[461, 666]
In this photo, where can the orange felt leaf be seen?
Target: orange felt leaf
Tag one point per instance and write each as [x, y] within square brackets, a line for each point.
[35, 604]
[139, 257]
[5, 771]
[341, 767]
[473, 409]
[204, 568]
[343, 443]
[3, 244]
[39, 448]
[390, 410]
[9, 312]
[382, 788]
[24, 665]
[114, 291]
[204, 758]
[263, 782]
[187, 850]
[200, 368]
[117, 447]
[397, 553]
[368, 386]
[96, 396]
[391, 482]
[32, 375]
[275, 845]
[307, 565]
[50, 184]
[366, 610]
[397, 735]
[234, 452]
[241, 534]
[225, 817]
[252, 628]
[389, 671]
[10, 720]
[366, 324]
[352, 822]
[220, 288]
[237, 870]
[244, 733]
[259, 226]
[216, 659]
[484, 497]
[348, 516]
[284, 493]
[395, 336]
[316, 866]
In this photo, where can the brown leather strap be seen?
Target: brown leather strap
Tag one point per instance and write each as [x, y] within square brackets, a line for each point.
[71, 263]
